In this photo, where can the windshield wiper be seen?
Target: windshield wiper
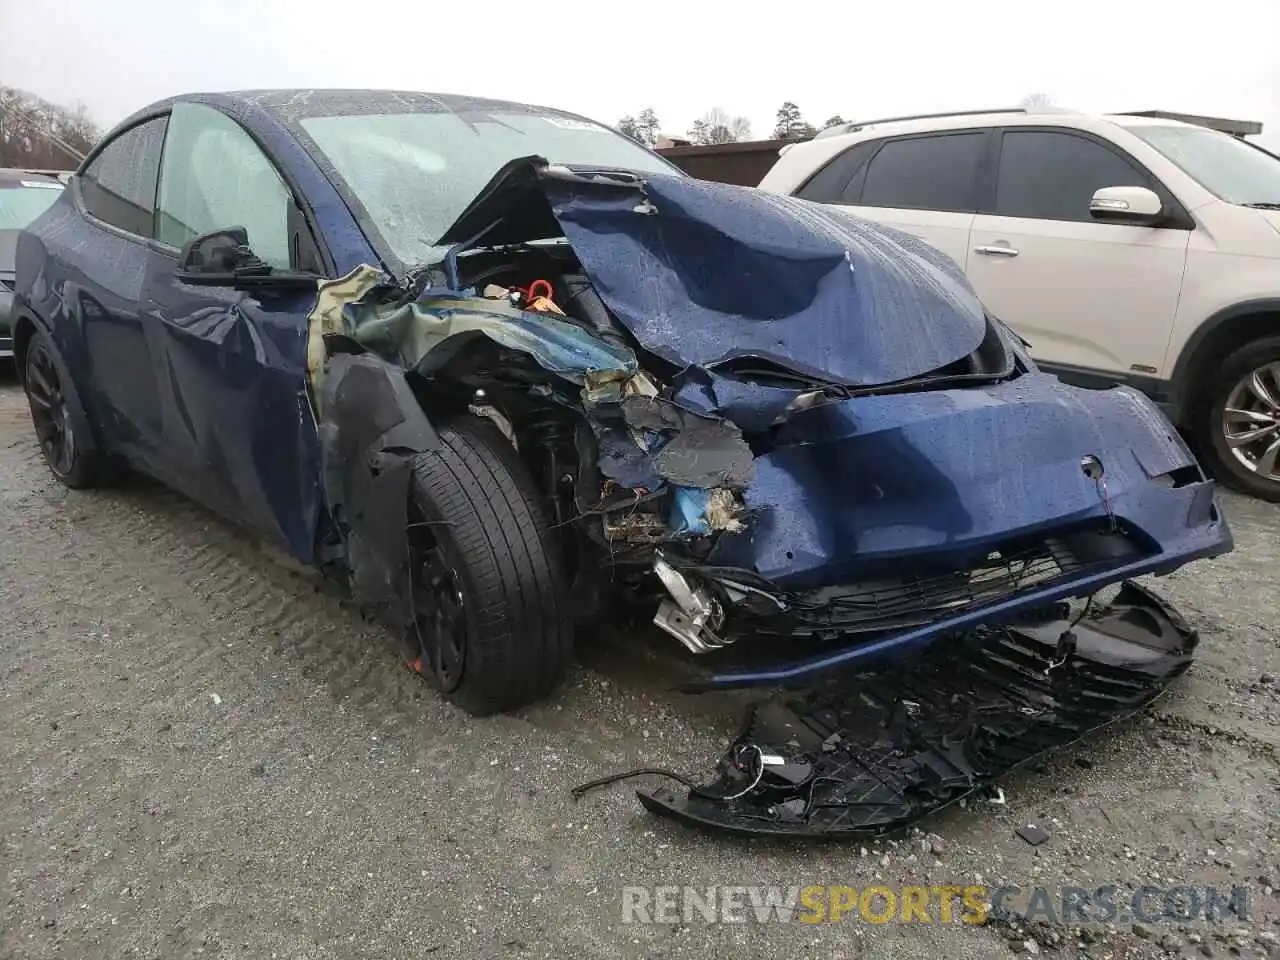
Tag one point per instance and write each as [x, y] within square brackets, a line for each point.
[1264, 205]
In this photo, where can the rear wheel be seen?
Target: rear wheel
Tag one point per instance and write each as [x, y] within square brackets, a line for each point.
[59, 418]
[1239, 426]
[492, 624]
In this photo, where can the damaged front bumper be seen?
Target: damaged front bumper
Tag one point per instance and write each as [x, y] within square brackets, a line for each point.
[886, 748]
[881, 522]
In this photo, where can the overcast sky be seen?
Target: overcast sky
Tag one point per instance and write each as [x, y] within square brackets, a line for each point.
[604, 60]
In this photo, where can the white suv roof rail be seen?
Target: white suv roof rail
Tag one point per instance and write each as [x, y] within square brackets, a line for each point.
[853, 125]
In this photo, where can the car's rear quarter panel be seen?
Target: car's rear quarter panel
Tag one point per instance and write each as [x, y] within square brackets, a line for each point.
[77, 281]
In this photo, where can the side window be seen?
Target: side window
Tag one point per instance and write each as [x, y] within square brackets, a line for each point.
[1051, 175]
[829, 185]
[119, 186]
[925, 173]
[215, 176]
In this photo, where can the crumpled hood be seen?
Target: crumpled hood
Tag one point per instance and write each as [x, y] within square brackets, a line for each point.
[703, 273]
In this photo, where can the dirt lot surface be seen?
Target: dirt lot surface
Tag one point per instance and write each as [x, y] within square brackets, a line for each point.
[204, 753]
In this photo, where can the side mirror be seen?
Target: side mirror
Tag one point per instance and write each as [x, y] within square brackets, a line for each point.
[213, 254]
[223, 258]
[1133, 205]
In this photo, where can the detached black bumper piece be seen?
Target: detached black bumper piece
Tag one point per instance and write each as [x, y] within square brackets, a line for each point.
[891, 746]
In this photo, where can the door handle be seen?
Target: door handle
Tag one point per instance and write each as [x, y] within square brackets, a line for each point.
[996, 251]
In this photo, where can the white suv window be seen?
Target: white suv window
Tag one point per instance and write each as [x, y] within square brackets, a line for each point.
[1051, 175]
[924, 173]
[1231, 169]
[838, 182]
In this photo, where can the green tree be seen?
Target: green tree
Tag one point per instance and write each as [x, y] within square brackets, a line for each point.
[642, 129]
[630, 127]
[648, 126]
[790, 124]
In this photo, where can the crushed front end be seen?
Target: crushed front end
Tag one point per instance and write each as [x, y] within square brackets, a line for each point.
[768, 419]
[883, 521]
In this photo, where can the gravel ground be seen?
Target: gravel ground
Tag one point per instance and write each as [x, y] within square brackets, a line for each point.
[206, 752]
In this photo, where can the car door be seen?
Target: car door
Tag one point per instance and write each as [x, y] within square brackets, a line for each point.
[924, 184]
[105, 259]
[235, 411]
[1096, 300]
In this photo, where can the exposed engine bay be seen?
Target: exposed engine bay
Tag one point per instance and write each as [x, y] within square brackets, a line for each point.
[636, 481]
[762, 418]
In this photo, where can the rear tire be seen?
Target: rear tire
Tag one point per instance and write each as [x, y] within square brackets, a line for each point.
[62, 427]
[493, 623]
[1238, 422]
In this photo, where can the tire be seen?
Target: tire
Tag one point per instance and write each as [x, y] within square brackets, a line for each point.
[1227, 389]
[62, 427]
[482, 531]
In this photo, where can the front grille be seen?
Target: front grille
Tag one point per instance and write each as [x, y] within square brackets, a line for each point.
[918, 597]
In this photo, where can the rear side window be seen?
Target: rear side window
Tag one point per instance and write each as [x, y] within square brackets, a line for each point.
[924, 173]
[1051, 175]
[119, 186]
[833, 183]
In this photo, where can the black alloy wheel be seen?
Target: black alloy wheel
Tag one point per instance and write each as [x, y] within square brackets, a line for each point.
[50, 412]
[439, 607]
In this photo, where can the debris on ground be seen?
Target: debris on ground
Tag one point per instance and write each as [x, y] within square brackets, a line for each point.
[852, 759]
[1033, 834]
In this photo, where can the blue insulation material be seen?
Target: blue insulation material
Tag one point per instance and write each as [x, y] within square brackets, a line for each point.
[689, 512]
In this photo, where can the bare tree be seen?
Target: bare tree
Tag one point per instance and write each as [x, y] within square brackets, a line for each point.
[1036, 101]
[718, 126]
[37, 134]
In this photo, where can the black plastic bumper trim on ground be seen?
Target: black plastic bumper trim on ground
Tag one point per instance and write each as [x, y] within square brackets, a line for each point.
[883, 748]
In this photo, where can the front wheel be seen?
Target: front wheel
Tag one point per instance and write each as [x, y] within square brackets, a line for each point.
[1239, 426]
[491, 620]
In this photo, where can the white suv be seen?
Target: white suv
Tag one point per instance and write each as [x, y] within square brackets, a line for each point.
[1123, 249]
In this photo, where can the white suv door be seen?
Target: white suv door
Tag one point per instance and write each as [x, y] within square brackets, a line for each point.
[921, 184]
[1089, 296]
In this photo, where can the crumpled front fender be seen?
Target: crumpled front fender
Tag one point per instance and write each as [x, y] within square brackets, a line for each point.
[371, 428]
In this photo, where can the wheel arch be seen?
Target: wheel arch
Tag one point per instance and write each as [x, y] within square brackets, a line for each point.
[1210, 344]
[24, 328]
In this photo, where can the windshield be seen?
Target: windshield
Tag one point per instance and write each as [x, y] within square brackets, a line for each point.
[21, 203]
[1226, 166]
[416, 172]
